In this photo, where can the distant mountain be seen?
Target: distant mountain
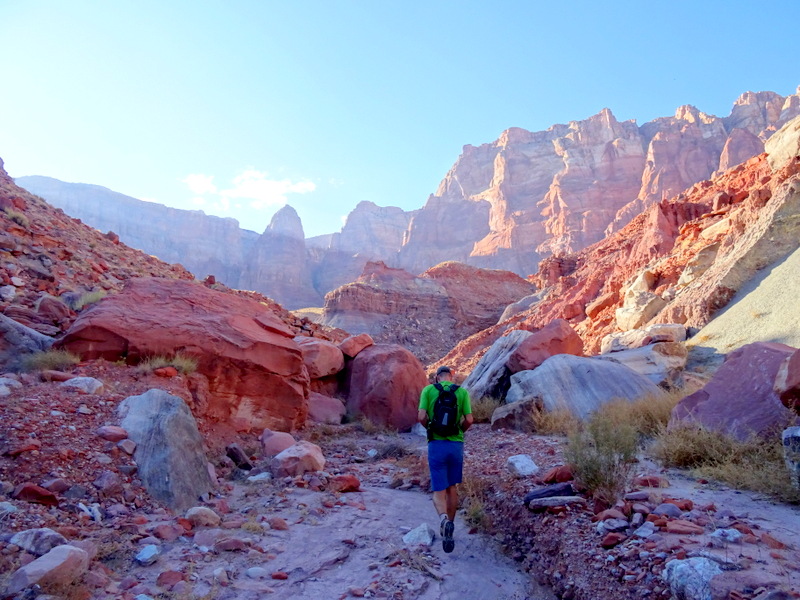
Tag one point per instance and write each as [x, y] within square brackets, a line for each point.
[503, 205]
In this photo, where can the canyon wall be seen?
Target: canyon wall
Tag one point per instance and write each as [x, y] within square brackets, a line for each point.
[503, 205]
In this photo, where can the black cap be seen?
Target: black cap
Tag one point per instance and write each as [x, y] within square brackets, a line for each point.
[443, 369]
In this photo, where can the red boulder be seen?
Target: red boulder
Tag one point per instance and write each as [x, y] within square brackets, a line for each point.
[557, 338]
[740, 400]
[385, 383]
[322, 358]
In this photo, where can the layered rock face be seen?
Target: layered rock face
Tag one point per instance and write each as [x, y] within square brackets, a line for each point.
[530, 195]
[427, 314]
[680, 261]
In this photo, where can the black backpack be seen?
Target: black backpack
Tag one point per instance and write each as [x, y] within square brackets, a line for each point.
[445, 412]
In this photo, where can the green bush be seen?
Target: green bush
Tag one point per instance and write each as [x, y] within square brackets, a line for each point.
[50, 360]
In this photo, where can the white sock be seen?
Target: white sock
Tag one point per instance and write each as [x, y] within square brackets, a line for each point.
[443, 517]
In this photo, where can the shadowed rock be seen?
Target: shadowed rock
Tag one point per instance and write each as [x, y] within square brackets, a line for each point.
[579, 385]
[169, 449]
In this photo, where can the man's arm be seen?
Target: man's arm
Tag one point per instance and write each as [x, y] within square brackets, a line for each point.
[467, 422]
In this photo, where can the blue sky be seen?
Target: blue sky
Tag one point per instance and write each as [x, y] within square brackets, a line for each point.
[238, 107]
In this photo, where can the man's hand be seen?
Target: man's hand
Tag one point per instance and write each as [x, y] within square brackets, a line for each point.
[422, 417]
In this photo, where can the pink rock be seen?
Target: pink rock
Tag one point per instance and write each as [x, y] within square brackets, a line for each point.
[613, 539]
[557, 338]
[30, 492]
[168, 532]
[166, 372]
[682, 527]
[230, 545]
[167, 579]
[56, 485]
[302, 457]
[275, 442]
[61, 565]
[344, 483]
[322, 358]
[740, 400]
[351, 346]
[278, 523]
[324, 409]
[112, 433]
[385, 384]
[253, 368]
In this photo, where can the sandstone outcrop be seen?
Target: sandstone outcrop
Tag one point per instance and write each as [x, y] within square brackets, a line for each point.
[490, 377]
[384, 385]
[254, 369]
[740, 400]
[662, 362]
[427, 314]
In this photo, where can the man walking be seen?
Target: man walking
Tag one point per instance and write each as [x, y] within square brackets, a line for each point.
[445, 448]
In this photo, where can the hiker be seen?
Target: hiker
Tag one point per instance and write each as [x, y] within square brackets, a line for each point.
[446, 426]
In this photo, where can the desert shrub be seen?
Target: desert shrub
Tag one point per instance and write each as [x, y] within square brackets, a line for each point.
[473, 493]
[601, 454]
[17, 217]
[88, 298]
[755, 464]
[370, 427]
[392, 449]
[183, 364]
[49, 360]
[556, 422]
[483, 408]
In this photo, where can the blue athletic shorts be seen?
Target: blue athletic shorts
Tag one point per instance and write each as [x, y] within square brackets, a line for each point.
[446, 462]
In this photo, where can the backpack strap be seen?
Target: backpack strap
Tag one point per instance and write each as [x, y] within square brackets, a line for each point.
[438, 386]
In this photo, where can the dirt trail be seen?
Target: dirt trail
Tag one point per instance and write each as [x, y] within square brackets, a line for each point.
[356, 548]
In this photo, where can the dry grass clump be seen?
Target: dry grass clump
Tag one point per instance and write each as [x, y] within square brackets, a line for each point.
[17, 217]
[392, 449]
[50, 360]
[88, 298]
[473, 493]
[181, 362]
[483, 408]
[366, 425]
[648, 415]
[756, 464]
[556, 422]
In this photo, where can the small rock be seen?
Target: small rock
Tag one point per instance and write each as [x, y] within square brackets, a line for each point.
[260, 478]
[423, 534]
[280, 575]
[61, 565]
[521, 465]
[202, 516]
[84, 410]
[38, 541]
[684, 528]
[344, 483]
[638, 496]
[257, 573]
[148, 555]
[667, 509]
[30, 492]
[278, 523]
[613, 539]
[127, 446]
[230, 545]
[6, 508]
[112, 433]
[645, 531]
[168, 579]
[87, 385]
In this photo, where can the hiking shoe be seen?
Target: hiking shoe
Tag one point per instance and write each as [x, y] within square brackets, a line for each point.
[447, 536]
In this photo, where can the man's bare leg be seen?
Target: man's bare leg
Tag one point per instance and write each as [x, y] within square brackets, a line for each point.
[452, 502]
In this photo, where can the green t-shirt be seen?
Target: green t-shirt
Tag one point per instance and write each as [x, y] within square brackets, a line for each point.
[428, 398]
